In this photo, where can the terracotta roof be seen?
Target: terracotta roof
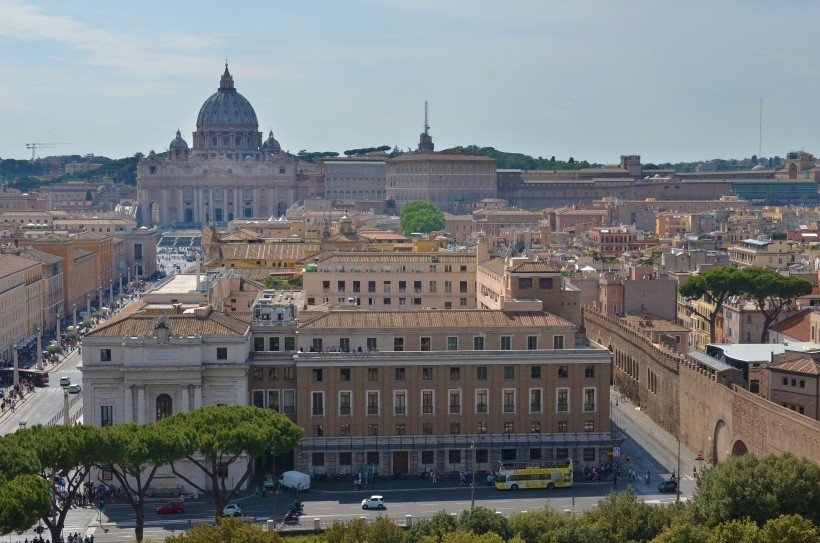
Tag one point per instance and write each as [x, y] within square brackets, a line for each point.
[240, 235]
[392, 257]
[141, 323]
[267, 251]
[495, 265]
[42, 256]
[806, 366]
[440, 157]
[435, 318]
[798, 326]
[650, 322]
[535, 267]
[12, 264]
[382, 235]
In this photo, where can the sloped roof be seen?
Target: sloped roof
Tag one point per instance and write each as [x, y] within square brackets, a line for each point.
[435, 318]
[267, 251]
[141, 323]
[806, 366]
[534, 267]
[798, 326]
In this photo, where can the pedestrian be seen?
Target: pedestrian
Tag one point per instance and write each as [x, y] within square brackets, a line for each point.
[694, 471]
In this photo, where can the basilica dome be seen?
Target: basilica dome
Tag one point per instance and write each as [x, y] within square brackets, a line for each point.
[178, 143]
[271, 145]
[226, 107]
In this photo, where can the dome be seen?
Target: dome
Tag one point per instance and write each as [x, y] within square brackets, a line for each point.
[271, 144]
[178, 144]
[226, 107]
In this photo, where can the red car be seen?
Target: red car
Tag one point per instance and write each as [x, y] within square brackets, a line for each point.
[173, 506]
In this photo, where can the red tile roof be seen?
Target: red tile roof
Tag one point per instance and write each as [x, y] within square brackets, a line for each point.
[798, 326]
[435, 318]
[806, 366]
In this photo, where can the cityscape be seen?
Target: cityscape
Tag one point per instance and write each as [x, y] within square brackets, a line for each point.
[220, 327]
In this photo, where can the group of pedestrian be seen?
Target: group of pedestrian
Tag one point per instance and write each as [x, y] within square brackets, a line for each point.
[357, 480]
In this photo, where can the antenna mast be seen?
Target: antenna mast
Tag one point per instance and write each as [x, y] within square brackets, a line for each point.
[760, 137]
[426, 126]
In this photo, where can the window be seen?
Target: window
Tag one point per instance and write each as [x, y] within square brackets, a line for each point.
[317, 402]
[357, 286]
[372, 430]
[455, 373]
[105, 355]
[481, 373]
[427, 428]
[481, 427]
[563, 372]
[562, 452]
[425, 344]
[316, 344]
[427, 457]
[372, 402]
[318, 459]
[273, 344]
[455, 428]
[372, 374]
[509, 400]
[535, 372]
[317, 375]
[448, 268]
[562, 399]
[589, 399]
[545, 283]
[506, 343]
[509, 427]
[344, 374]
[371, 344]
[289, 401]
[345, 459]
[563, 426]
[589, 372]
[106, 415]
[589, 426]
[371, 286]
[785, 382]
[164, 406]
[417, 287]
[289, 373]
[427, 374]
[557, 342]
[452, 343]
[398, 343]
[400, 429]
[221, 353]
[532, 343]
[478, 343]
[507, 454]
[318, 430]
[455, 402]
[257, 374]
[399, 402]
[273, 400]
[802, 383]
[344, 430]
[535, 427]
[345, 402]
[427, 400]
[482, 402]
[589, 454]
[448, 287]
[535, 400]
[454, 456]
[509, 372]
[290, 343]
[400, 373]
[462, 286]
[432, 287]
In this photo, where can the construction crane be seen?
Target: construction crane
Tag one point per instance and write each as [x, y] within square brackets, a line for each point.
[35, 146]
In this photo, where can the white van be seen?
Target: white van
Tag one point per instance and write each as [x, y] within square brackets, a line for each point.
[295, 480]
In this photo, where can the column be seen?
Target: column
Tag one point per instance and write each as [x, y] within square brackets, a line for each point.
[129, 404]
[141, 411]
[197, 396]
[185, 400]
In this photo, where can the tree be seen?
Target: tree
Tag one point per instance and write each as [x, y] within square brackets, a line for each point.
[222, 435]
[229, 529]
[627, 517]
[771, 292]
[64, 457]
[481, 520]
[23, 500]
[717, 285]
[791, 528]
[761, 488]
[434, 528]
[133, 453]
[420, 216]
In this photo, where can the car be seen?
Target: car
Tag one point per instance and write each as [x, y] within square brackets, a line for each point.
[65, 381]
[668, 485]
[74, 388]
[173, 506]
[373, 502]
[268, 483]
[232, 510]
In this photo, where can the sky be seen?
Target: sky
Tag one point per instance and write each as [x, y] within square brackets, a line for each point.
[595, 79]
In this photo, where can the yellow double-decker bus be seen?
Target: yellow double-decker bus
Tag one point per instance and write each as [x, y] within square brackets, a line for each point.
[549, 475]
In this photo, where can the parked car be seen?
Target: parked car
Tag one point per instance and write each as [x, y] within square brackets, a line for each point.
[65, 381]
[373, 502]
[668, 485]
[268, 483]
[295, 480]
[173, 506]
[232, 510]
[74, 388]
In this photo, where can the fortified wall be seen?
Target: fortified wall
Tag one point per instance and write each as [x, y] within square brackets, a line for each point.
[708, 411]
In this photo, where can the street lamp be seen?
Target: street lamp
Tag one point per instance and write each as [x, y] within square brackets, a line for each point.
[39, 331]
[677, 475]
[88, 305]
[111, 294]
[66, 418]
[16, 364]
[472, 485]
[74, 305]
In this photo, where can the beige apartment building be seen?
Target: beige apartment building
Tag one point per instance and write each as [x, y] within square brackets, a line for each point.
[428, 385]
[406, 280]
[21, 300]
[762, 253]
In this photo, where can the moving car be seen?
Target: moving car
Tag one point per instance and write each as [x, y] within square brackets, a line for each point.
[65, 381]
[74, 388]
[232, 510]
[173, 506]
[373, 502]
[295, 480]
[668, 485]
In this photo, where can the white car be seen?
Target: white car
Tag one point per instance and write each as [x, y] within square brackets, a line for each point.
[232, 510]
[74, 388]
[65, 381]
[373, 502]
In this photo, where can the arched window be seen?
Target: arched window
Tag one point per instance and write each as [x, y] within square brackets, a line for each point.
[165, 406]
